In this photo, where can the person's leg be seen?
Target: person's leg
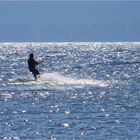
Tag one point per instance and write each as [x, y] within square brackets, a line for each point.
[35, 73]
[35, 76]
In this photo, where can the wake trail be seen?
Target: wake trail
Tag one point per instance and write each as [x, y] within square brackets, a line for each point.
[58, 79]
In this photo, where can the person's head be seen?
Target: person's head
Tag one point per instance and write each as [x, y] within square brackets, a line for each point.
[31, 55]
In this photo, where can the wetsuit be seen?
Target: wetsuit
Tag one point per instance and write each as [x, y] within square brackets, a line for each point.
[32, 64]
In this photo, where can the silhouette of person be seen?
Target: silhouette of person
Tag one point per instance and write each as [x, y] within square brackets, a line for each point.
[32, 65]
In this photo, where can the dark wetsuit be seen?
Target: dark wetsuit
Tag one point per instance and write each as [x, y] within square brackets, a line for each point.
[32, 64]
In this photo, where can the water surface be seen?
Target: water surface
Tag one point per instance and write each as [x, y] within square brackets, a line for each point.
[85, 91]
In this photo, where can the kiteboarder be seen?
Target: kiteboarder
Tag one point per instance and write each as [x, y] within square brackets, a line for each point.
[32, 65]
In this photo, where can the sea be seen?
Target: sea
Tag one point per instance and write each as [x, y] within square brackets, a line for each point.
[85, 91]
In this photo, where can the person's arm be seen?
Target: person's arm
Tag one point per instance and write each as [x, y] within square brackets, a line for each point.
[35, 62]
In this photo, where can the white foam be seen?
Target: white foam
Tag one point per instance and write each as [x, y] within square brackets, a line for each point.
[58, 79]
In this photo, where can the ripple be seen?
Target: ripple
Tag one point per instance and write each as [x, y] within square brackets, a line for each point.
[87, 90]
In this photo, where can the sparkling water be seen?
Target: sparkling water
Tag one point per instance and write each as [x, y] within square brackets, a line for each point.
[85, 91]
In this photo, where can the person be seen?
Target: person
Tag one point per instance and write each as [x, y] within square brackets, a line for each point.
[32, 65]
